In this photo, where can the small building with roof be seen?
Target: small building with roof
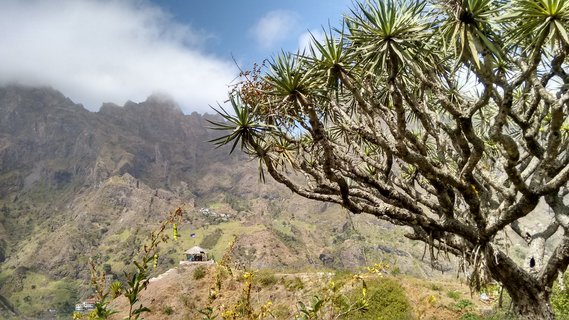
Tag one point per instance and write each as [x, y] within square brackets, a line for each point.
[196, 254]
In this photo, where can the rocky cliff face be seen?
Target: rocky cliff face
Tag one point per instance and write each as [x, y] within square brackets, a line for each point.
[46, 137]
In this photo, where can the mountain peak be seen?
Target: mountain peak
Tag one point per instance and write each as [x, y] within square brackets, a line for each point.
[33, 98]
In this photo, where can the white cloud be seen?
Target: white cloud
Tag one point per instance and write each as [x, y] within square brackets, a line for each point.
[274, 27]
[96, 51]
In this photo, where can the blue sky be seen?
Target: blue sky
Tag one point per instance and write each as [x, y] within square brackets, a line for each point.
[243, 28]
[97, 51]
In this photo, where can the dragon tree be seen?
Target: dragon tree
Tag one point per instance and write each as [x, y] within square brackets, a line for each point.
[447, 117]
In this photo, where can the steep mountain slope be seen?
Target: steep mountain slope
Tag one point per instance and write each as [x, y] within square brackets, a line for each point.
[76, 184]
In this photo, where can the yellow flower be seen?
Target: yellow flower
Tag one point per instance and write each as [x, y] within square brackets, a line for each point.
[175, 231]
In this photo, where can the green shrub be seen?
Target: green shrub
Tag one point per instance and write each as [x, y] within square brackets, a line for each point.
[294, 284]
[470, 316]
[199, 272]
[435, 287]
[265, 278]
[560, 299]
[168, 310]
[387, 300]
[463, 304]
[502, 314]
[455, 295]
[396, 271]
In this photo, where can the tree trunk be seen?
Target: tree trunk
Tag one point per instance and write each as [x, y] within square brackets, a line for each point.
[531, 307]
[530, 298]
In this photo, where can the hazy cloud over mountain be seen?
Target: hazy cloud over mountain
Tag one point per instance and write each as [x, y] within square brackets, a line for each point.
[98, 51]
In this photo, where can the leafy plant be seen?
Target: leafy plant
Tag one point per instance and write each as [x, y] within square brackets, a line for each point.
[387, 301]
[137, 281]
[470, 316]
[265, 278]
[208, 313]
[104, 296]
[463, 304]
[455, 295]
[310, 311]
[435, 287]
[294, 284]
[168, 311]
[334, 303]
[199, 272]
[396, 271]
[243, 308]
[560, 298]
